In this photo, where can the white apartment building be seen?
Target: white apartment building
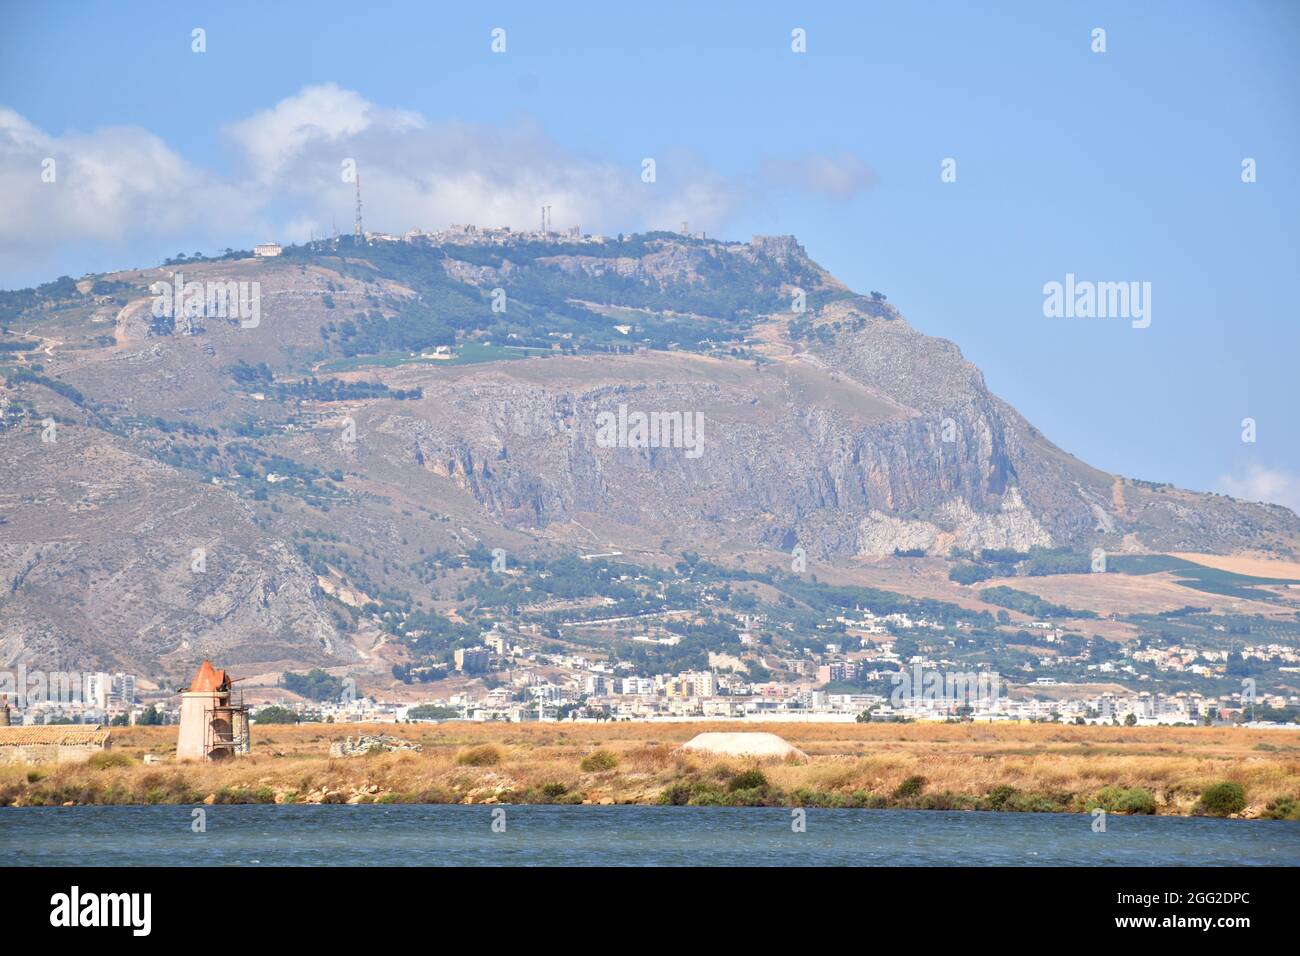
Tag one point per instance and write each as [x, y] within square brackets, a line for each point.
[639, 686]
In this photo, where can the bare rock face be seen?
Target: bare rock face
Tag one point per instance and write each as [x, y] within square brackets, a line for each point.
[780, 249]
[841, 478]
[955, 524]
[478, 275]
[111, 544]
[862, 475]
[184, 513]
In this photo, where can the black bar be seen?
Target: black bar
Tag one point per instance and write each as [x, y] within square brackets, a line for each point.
[236, 906]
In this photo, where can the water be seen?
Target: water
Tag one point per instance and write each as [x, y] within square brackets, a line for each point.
[390, 835]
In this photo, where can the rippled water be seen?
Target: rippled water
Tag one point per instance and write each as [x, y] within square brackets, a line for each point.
[390, 835]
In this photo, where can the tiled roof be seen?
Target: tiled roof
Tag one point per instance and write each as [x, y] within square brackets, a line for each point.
[68, 734]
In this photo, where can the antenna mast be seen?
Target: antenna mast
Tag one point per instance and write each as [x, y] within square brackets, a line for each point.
[357, 232]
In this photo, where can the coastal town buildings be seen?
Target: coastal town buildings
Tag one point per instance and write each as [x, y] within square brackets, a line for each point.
[869, 668]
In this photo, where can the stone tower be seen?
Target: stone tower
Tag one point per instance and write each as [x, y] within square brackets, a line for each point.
[212, 726]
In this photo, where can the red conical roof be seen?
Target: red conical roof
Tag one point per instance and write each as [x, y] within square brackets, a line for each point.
[208, 678]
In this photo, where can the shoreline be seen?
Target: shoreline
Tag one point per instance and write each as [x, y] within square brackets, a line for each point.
[1033, 768]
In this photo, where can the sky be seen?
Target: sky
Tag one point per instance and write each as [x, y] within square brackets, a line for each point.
[1122, 165]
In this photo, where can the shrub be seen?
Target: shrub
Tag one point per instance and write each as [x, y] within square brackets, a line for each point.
[1286, 808]
[805, 797]
[753, 797]
[485, 756]
[1116, 799]
[245, 795]
[999, 798]
[1039, 803]
[858, 799]
[677, 795]
[1221, 800]
[947, 800]
[599, 761]
[910, 788]
[699, 793]
[105, 759]
[153, 788]
[1011, 800]
[430, 795]
[747, 780]
[553, 790]
[706, 794]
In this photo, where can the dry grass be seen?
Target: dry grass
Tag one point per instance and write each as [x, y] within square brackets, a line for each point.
[1244, 564]
[1049, 766]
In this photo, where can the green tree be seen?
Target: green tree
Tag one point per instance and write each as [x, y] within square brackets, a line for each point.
[314, 685]
[275, 715]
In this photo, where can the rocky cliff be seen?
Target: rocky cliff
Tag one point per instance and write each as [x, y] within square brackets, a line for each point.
[825, 422]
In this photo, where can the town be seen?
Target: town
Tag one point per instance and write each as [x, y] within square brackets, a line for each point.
[513, 675]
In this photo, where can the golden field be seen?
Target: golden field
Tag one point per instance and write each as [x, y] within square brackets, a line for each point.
[924, 765]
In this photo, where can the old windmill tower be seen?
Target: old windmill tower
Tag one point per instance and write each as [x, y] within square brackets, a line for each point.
[213, 726]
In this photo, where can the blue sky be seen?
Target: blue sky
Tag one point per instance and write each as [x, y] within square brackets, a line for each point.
[1116, 166]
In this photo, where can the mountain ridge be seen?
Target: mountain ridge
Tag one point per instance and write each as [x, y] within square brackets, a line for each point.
[839, 429]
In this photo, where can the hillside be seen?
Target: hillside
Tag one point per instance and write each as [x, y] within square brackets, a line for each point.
[396, 409]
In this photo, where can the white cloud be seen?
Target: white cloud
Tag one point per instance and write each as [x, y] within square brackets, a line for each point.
[104, 186]
[123, 189]
[316, 117]
[1257, 483]
[418, 173]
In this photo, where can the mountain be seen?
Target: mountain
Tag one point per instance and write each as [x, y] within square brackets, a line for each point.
[182, 480]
